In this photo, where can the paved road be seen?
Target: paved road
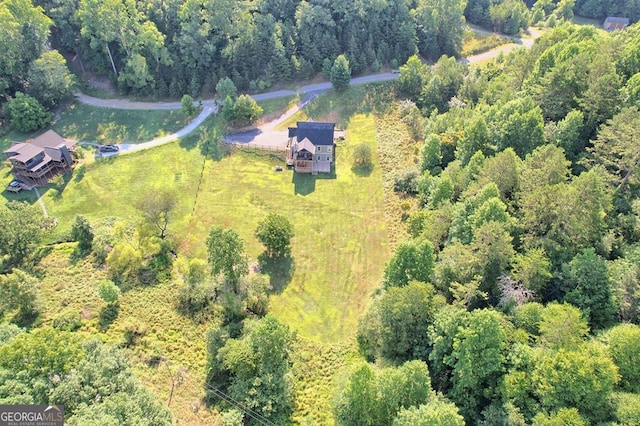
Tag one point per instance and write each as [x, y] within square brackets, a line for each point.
[126, 148]
[265, 135]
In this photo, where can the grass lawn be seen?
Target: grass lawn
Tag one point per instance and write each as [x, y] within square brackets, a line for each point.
[340, 244]
[580, 20]
[92, 124]
[272, 108]
[338, 253]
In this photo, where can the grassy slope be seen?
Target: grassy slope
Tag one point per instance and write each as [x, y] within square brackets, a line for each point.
[474, 43]
[88, 123]
[68, 286]
[339, 252]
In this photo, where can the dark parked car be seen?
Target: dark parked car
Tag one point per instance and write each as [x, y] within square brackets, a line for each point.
[108, 148]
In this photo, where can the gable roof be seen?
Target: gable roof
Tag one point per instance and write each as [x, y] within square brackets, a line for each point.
[616, 20]
[316, 133]
[306, 144]
[615, 23]
[23, 152]
[50, 142]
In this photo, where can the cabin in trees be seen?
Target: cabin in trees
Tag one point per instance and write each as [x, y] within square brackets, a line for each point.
[613, 23]
[310, 147]
[38, 160]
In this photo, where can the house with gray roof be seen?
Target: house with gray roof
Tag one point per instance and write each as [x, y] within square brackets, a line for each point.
[612, 23]
[38, 160]
[310, 148]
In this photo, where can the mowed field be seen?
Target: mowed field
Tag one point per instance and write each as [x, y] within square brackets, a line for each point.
[340, 245]
[338, 253]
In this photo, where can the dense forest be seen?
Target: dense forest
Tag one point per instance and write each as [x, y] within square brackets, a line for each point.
[523, 261]
[514, 299]
[172, 48]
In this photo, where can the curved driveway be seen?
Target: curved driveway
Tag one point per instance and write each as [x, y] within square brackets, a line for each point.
[259, 136]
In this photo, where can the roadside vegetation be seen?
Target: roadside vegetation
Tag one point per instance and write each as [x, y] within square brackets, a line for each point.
[476, 42]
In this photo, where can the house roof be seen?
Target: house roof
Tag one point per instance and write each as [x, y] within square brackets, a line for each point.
[50, 142]
[316, 133]
[307, 145]
[616, 20]
[23, 152]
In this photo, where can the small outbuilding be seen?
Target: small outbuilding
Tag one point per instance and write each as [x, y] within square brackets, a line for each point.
[613, 23]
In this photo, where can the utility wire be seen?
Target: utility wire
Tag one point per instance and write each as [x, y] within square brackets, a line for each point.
[253, 414]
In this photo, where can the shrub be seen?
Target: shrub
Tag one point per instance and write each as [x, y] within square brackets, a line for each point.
[195, 300]
[362, 156]
[407, 181]
[68, 320]
[27, 114]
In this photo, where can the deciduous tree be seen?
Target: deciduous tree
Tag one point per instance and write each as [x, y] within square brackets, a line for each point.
[413, 260]
[562, 326]
[82, 233]
[362, 156]
[589, 288]
[225, 87]
[275, 232]
[615, 150]
[188, 108]
[437, 412]
[226, 253]
[258, 365]
[21, 227]
[478, 362]
[27, 114]
[49, 79]
[19, 295]
[581, 377]
[624, 346]
[157, 207]
[405, 316]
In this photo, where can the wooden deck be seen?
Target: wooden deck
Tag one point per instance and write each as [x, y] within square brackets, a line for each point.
[303, 166]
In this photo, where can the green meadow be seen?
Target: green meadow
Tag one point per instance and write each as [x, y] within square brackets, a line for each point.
[338, 252]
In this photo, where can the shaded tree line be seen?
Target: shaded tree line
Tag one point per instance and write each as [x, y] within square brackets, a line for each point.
[177, 48]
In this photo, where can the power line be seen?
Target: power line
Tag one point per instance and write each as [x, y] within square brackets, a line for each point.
[253, 414]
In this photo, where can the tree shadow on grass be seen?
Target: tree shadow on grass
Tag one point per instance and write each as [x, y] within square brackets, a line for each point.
[362, 170]
[108, 315]
[210, 142]
[279, 269]
[59, 183]
[79, 254]
[26, 319]
[79, 173]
